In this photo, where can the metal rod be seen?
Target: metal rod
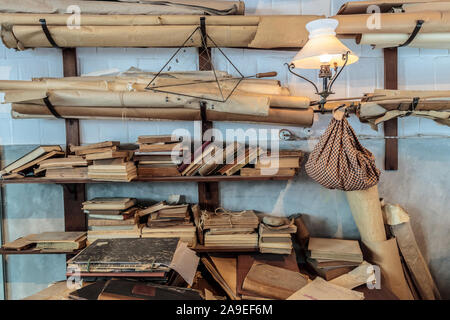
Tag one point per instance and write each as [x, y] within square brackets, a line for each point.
[291, 66]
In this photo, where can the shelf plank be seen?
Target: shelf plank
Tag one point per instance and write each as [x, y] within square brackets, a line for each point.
[147, 179]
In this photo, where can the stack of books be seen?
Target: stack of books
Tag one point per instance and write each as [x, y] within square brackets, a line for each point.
[276, 240]
[110, 218]
[217, 159]
[25, 164]
[158, 156]
[230, 229]
[331, 258]
[282, 163]
[109, 162]
[73, 167]
[131, 258]
[168, 221]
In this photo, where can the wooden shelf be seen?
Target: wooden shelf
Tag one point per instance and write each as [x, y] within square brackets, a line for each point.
[149, 179]
[36, 251]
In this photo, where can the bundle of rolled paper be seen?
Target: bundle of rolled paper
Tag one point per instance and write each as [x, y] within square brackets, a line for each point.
[160, 24]
[383, 105]
[385, 24]
[127, 96]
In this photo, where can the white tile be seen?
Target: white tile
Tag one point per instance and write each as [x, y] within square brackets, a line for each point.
[416, 73]
[318, 7]
[430, 127]
[89, 131]
[116, 130]
[26, 131]
[5, 132]
[53, 131]
[442, 70]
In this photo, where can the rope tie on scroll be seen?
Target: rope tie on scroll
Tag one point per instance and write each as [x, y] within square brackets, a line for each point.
[47, 33]
[51, 108]
[414, 33]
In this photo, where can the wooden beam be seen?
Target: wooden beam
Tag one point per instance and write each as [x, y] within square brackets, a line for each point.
[391, 126]
[208, 192]
[74, 194]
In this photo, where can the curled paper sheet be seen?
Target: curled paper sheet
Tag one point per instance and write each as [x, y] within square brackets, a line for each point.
[385, 254]
[319, 289]
[399, 221]
[363, 274]
[185, 262]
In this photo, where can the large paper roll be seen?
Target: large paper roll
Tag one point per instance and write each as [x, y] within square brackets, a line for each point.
[366, 209]
[289, 117]
[114, 7]
[385, 254]
[422, 40]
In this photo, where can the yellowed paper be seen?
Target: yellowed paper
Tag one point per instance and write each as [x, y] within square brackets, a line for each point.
[319, 289]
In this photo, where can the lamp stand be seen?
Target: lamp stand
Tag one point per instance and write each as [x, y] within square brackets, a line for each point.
[328, 79]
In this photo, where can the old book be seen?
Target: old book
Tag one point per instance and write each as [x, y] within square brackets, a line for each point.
[253, 172]
[62, 245]
[161, 147]
[158, 170]
[199, 159]
[134, 290]
[191, 156]
[63, 163]
[153, 208]
[109, 162]
[67, 173]
[9, 176]
[96, 150]
[335, 249]
[136, 254]
[94, 146]
[38, 161]
[109, 204]
[109, 222]
[109, 155]
[246, 261]
[247, 157]
[319, 289]
[226, 219]
[274, 162]
[29, 157]
[223, 269]
[18, 244]
[56, 236]
[156, 139]
[273, 282]
[219, 159]
[329, 273]
[231, 240]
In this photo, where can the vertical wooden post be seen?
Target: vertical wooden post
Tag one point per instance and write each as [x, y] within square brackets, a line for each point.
[74, 194]
[391, 126]
[208, 192]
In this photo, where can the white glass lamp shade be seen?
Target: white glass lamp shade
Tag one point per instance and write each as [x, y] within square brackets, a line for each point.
[322, 48]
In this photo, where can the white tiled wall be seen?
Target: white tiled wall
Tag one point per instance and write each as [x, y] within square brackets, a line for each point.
[418, 69]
